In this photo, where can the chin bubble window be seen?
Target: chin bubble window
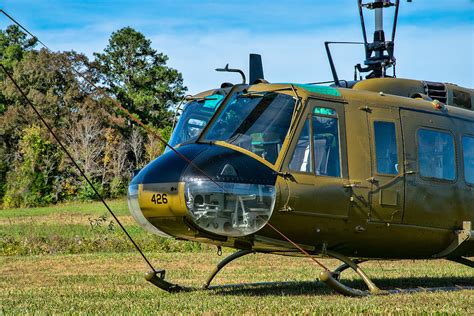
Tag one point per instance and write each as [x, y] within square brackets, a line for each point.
[229, 209]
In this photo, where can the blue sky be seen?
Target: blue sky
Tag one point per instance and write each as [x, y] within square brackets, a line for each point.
[434, 39]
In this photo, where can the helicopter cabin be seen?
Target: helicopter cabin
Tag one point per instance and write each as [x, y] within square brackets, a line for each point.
[405, 159]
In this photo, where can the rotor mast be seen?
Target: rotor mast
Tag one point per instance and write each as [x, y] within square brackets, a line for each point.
[380, 53]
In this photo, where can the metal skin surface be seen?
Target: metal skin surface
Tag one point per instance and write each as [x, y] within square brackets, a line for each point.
[344, 214]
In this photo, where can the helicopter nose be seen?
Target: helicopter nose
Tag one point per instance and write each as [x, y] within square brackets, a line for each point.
[222, 191]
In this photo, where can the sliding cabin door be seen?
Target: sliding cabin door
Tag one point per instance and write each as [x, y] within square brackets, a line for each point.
[435, 192]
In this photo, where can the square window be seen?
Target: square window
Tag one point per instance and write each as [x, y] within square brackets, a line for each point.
[436, 154]
[386, 148]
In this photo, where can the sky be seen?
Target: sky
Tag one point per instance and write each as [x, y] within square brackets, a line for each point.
[434, 42]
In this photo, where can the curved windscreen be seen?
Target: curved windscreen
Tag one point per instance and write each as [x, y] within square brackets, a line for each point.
[256, 122]
[194, 118]
[229, 209]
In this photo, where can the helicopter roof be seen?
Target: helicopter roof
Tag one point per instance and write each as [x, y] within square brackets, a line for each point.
[400, 92]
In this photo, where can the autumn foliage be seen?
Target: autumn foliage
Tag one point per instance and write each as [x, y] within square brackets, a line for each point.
[107, 146]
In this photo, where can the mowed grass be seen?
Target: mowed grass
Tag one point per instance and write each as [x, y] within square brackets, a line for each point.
[114, 283]
[48, 270]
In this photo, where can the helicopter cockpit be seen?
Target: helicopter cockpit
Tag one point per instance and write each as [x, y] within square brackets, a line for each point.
[224, 191]
[258, 123]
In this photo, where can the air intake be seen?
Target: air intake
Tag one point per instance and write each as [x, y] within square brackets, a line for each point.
[436, 91]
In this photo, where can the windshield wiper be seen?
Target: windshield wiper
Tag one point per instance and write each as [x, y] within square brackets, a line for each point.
[261, 94]
[251, 95]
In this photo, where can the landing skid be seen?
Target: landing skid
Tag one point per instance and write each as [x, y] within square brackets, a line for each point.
[158, 278]
[330, 278]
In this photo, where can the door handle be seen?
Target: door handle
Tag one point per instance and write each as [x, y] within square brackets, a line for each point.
[354, 185]
[391, 182]
[372, 180]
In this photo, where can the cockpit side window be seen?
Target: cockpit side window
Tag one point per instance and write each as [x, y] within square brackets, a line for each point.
[301, 160]
[318, 149]
[327, 160]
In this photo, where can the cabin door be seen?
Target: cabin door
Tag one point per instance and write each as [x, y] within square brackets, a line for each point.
[387, 181]
[432, 186]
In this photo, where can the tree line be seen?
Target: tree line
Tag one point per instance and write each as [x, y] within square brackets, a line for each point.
[107, 146]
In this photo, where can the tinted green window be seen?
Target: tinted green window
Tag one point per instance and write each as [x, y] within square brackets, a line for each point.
[468, 155]
[301, 160]
[436, 154]
[386, 147]
[324, 111]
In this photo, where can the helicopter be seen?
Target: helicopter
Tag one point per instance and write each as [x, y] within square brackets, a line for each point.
[374, 168]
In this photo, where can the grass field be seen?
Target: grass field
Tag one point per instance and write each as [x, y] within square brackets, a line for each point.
[103, 279]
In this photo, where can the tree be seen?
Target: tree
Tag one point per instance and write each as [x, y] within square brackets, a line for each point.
[136, 145]
[137, 76]
[32, 169]
[51, 84]
[13, 44]
[31, 181]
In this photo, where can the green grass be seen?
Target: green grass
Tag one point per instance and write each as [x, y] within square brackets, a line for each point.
[70, 259]
[114, 283]
[119, 207]
[75, 228]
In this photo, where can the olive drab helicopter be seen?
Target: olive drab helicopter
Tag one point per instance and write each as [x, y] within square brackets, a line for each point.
[374, 168]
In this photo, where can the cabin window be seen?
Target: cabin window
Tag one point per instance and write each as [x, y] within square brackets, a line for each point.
[301, 160]
[326, 142]
[468, 153]
[436, 154]
[386, 148]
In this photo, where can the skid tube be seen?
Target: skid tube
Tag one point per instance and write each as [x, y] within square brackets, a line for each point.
[157, 278]
[331, 278]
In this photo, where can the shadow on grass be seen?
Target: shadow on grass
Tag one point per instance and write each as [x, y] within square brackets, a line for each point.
[295, 288]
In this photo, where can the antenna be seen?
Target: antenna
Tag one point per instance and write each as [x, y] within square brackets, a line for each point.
[255, 68]
[379, 55]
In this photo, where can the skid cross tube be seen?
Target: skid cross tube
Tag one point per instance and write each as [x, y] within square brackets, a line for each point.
[223, 263]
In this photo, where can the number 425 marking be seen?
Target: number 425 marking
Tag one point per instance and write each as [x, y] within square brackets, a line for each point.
[159, 198]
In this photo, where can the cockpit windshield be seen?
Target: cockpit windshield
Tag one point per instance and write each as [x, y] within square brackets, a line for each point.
[194, 118]
[258, 123]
